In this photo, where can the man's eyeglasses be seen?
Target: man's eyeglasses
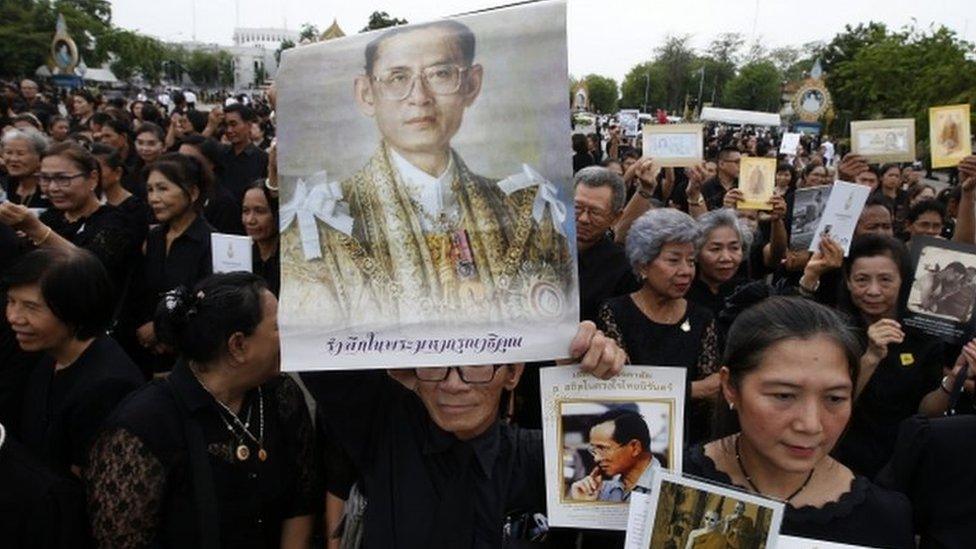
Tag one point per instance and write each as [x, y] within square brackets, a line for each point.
[397, 84]
[597, 451]
[58, 179]
[593, 213]
[472, 375]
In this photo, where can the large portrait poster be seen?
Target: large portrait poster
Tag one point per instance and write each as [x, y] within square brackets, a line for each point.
[942, 297]
[425, 190]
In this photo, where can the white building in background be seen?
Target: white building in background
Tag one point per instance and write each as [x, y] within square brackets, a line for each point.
[254, 53]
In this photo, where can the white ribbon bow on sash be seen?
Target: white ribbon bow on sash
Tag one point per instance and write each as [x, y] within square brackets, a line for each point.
[547, 195]
[324, 203]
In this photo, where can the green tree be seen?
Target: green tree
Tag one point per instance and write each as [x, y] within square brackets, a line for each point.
[26, 29]
[308, 32]
[603, 93]
[381, 20]
[286, 44]
[643, 87]
[756, 87]
[676, 57]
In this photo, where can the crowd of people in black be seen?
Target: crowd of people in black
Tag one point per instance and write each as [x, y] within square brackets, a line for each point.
[141, 403]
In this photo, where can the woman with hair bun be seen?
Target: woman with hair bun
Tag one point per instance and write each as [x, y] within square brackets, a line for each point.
[787, 388]
[220, 453]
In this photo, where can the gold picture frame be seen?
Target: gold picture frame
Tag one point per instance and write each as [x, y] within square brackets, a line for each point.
[950, 135]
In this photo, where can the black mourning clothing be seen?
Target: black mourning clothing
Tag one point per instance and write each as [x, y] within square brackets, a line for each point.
[63, 409]
[424, 486]
[911, 370]
[714, 192]
[866, 515]
[106, 233]
[237, 171]
[269, 270]
[143, 486]
[647, 342]
[604, 272]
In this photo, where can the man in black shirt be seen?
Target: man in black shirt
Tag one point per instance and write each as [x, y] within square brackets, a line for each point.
[603, 268]
[714, 189]
[240, 161]
[439, 467]
[34, 102]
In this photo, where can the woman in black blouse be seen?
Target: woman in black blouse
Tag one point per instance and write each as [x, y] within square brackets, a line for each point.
[220, 454]
[177, 251]
[22, 152]
[77, 218]
[656, 325]
[56, 305]
[723, 247]
[260, 218]
[111, 173]
[788, 381]
[903, 372]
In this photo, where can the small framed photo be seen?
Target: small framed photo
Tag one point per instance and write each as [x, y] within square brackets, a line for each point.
[942, 297]
[950, 135]
[757, 181]
[605, 440]
[891, 140]
[674, 145]
[691, 513]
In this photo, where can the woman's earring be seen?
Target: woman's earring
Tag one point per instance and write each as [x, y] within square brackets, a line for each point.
[731, 406]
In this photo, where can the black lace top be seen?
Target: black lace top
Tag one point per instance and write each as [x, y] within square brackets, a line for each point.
[690, 343]
[141, 484]
[105, 233]
[866, 515]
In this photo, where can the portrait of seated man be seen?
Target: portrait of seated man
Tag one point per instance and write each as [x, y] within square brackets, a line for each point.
[430, 240]
[620, 443]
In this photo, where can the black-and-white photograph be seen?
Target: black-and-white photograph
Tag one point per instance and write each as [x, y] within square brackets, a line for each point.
[944, 285]
[808, 207]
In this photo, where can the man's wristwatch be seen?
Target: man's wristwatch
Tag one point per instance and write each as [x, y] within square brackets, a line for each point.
[699, 202]
[644, 193]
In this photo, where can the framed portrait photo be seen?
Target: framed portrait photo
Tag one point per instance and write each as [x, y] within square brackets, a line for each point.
[757, 181]
[942, 297]
[950, 135]
[684, 512]
[674, 145]
[604, 440]
[880, 141]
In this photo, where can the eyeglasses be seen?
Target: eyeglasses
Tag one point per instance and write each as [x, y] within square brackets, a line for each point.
[596, 451]
[59, 179]
[593, 213]
[472, 375]
[445, 79]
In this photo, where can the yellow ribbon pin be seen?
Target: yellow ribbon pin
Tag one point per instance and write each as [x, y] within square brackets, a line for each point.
[907, 359]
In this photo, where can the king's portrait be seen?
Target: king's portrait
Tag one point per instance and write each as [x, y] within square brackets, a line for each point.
[414, 235]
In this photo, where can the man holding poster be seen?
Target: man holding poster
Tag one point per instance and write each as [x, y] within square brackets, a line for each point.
[416, 236]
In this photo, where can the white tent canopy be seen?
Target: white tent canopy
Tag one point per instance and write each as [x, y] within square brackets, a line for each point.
[735, 116]
[100, 74]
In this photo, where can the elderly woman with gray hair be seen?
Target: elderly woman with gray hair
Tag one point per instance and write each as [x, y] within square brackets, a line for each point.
[656, 325]
[723, 246]
[22, 152]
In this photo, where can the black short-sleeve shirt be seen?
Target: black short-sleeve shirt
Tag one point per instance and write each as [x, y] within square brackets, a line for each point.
[237, 171]
[604, 272]
[187, 262]
[63, 409]
[106, 233]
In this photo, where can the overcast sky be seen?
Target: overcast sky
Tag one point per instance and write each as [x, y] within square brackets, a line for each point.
[606, 37]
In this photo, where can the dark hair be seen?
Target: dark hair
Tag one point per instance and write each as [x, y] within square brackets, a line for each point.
[459, 31]
[208, 147]
[28, 117]
[924, 206]
[118, 126]
[75, 153]
[885, 167]
[271, 198]
[875, 245]
[724, 152]
[149, 127]
[627, 425]
[773, 321]
[630, 153]
[879, 199]
[75, 286]
[186, 173]
[55, 119]
[198, 323]
[242, 110]
[99, 118]
[151, 114]
[787, 167]
[86, 95]
[579, 143]
[808, 169]
[109, 154]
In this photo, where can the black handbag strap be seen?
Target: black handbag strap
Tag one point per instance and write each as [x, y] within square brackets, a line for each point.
[204, 493]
